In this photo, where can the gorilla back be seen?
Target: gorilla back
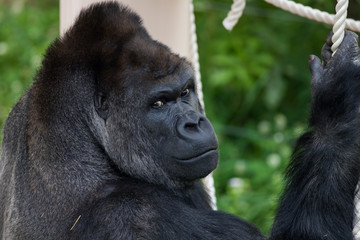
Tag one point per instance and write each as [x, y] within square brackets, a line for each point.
[110, 142]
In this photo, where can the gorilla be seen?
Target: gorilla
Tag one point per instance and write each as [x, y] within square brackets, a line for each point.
[110, 142]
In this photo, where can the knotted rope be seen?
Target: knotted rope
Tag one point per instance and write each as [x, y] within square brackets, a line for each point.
[339, 20]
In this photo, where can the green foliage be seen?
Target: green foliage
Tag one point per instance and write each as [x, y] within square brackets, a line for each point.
[27, 28]
[255, 78]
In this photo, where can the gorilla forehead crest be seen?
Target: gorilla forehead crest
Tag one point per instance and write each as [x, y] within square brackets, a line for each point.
[116, 39]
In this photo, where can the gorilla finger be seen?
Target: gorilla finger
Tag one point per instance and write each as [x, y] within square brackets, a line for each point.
[350, 41]
[348, 49]
[353, 38]
[316, 69]
[326, 53]
[328, 40]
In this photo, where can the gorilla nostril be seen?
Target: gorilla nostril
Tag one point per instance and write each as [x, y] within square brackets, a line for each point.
[201, 120]
[190, 125]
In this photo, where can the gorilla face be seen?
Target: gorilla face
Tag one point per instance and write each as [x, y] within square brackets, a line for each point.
[187, 143]
[153, 121]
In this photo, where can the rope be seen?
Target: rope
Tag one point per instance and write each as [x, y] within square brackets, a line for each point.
[237, 9]
[339, 20]
[195, 55]
[339, 25]
[209, 180]
[356, 230]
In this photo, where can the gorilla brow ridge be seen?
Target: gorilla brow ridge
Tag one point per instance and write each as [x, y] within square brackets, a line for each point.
[171, 70]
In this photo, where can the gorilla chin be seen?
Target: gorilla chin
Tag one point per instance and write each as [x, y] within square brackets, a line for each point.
[196, 167]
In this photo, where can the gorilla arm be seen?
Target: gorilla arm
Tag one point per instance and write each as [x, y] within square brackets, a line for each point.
[319, 199]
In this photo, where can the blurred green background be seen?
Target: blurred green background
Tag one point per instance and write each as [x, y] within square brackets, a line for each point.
[256, 85]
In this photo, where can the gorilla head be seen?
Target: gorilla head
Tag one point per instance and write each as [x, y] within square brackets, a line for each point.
[136, 96]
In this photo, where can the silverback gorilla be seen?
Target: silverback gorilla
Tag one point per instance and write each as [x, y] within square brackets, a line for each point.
[110, 143]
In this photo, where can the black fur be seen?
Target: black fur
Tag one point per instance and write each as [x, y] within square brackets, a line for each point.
[110, 143]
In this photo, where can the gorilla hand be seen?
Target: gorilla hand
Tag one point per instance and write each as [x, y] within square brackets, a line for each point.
[335, 83]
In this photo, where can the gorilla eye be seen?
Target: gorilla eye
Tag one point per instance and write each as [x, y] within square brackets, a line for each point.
[158, 104]
[185, 92]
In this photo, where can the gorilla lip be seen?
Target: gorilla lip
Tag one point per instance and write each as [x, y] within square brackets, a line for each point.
[194, 158]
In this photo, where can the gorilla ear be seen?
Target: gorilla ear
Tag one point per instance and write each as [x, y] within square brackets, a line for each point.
[101, 105]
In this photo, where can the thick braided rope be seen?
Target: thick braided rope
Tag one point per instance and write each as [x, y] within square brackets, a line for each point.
[295, 8]
[195, 55]
[339, 25]
[208, 181]
[237, 9]
[356, 230]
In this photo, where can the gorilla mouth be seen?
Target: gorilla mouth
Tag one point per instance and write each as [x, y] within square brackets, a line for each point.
[200, 155]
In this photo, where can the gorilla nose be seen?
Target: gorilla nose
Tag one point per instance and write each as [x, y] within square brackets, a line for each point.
[192, 125]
